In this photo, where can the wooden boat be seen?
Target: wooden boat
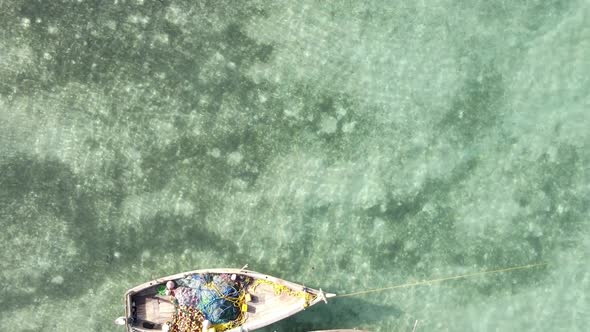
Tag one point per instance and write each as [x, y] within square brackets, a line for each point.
[263, 300]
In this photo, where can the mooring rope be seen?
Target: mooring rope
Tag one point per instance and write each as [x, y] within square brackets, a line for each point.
[426, 282]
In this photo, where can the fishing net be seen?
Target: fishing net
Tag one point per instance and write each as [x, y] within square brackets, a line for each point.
[216, 297]
[186, 319]
[218, 309]
[186, 296]
[189, 291]
[161, 290]
[195, 281]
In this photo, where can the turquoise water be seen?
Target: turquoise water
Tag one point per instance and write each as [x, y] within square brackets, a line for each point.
[340, 145]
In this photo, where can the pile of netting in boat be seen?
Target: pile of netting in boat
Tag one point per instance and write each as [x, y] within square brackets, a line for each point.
[217, 298]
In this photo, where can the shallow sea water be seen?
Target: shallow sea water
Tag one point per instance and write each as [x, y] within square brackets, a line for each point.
[342, 145]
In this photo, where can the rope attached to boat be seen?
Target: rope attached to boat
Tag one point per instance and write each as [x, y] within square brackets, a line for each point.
[426, 282]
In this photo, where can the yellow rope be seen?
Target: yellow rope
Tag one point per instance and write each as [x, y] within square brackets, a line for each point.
[425, 282]
[238, 302]
[279, 289]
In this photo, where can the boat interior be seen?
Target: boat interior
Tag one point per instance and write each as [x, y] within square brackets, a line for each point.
[150, 311]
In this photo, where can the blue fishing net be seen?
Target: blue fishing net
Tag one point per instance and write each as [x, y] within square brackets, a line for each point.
[217, 309]
[215, 296]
